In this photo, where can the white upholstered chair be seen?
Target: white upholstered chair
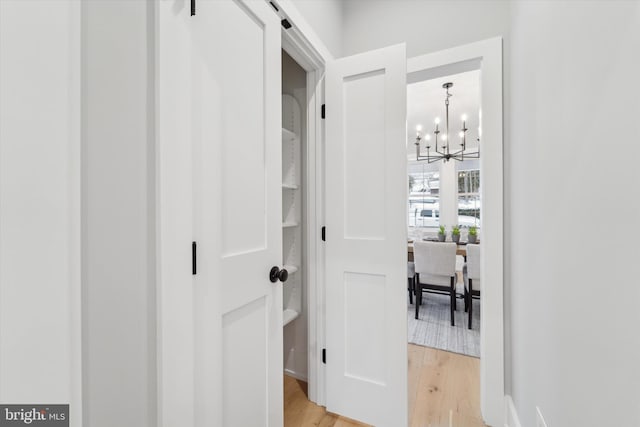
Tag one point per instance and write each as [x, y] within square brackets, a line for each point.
[471, 273]
[435, 264]
[459, 276]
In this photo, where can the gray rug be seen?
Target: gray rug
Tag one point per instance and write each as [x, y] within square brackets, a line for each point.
[433, 328]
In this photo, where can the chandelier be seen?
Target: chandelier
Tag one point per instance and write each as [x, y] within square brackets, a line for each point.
[443, 151]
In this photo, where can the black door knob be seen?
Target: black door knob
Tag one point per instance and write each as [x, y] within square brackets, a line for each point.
[276, 274]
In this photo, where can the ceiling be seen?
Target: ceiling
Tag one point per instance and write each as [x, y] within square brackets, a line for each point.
[425, 102]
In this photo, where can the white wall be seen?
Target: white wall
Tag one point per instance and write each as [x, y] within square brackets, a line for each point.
[426, 26]
[40, 203]
[118, 215]
[448, 195]
[575, 71]
[326, 18]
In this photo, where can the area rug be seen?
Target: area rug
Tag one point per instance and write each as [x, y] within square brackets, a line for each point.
[433, 328]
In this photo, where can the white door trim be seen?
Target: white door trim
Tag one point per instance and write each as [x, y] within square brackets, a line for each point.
[489, 54]
[305, 47]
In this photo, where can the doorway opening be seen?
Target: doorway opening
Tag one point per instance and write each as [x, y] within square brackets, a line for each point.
[484, 57]
[443, 205]
[302, 216]
[294, 224]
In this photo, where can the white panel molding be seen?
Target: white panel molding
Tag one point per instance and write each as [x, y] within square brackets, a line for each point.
[511, 418]
[489, 54]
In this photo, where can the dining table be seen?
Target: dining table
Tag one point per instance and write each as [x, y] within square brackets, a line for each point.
[461, 250]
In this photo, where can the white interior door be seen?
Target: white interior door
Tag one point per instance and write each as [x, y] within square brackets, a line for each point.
[221, 339]
[366, 256]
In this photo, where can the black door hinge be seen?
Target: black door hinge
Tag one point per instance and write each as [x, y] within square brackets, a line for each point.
[194, 267]
[193, 7]
[324, 356]
[322, 112]
[324, 233]
[274, 6]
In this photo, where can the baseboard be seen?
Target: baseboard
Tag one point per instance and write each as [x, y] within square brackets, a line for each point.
[296, 375]
[511, 415]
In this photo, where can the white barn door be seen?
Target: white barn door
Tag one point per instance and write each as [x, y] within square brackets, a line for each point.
[220, 131]
[366, 247]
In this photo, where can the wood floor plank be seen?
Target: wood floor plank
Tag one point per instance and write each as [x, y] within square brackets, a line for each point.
[415, 356]
[443, 391]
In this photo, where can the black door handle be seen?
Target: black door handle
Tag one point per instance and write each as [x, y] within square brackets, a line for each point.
[276, 274]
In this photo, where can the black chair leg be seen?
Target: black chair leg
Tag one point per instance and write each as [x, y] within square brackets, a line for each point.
[410, 290]
[452, 305]
[418, 297]
[470, 301]
[466, 300]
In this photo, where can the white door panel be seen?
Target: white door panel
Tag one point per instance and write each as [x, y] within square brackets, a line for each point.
[233, 88]
[366, 255]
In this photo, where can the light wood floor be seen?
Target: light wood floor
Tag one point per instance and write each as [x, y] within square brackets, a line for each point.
[444, 391]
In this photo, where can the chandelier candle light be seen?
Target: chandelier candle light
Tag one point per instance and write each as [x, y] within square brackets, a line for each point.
[442, 151]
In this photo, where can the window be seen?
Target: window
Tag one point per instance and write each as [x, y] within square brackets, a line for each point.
[424, 196]
[469, 197]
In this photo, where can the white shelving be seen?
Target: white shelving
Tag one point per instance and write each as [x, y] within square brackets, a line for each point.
[291, 208]
[291, 268]
[288, 316]
[288, 136]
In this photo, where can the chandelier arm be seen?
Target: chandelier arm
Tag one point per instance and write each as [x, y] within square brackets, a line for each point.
[460, 152]
[472, 155]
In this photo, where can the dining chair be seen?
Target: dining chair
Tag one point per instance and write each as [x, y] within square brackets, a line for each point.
[411, 277]
[459, 276]
[435, 264]
[471, 273]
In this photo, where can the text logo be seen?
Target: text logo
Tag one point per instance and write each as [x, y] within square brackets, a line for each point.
[34, 415]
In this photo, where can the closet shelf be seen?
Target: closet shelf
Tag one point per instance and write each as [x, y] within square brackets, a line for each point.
[287, 135]
[291, 268]
[289, 224]
[288, 316]
[290, 186]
